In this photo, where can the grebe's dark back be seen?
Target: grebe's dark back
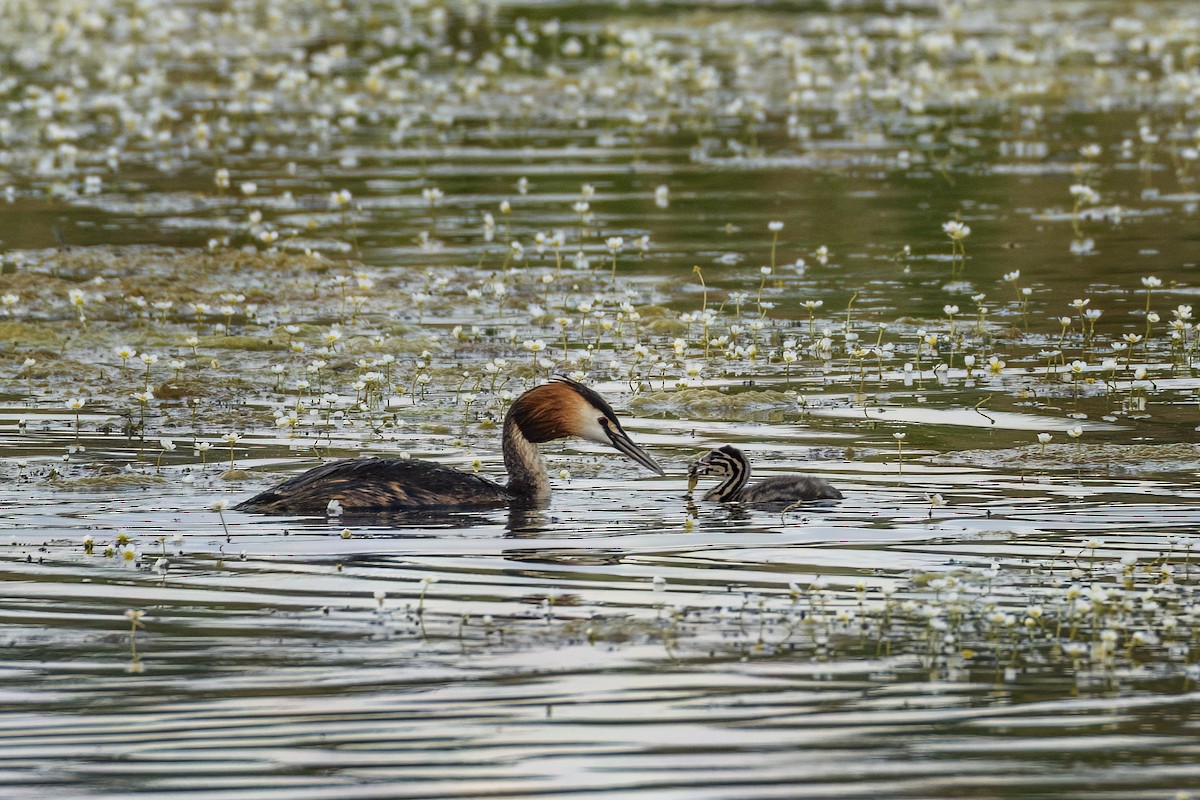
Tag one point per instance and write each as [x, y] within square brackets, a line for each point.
[730, 463]
[553, 410]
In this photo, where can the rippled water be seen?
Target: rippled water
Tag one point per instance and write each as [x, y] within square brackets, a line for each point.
[983, 615]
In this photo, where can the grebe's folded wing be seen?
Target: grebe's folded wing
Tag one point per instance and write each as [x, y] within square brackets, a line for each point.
[378, 484]
[789, 489]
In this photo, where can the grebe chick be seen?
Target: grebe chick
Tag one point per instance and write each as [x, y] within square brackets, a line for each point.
[553, 410]
[731, 464]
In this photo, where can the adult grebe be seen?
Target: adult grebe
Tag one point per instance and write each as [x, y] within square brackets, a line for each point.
[553, 410]
[732, 464]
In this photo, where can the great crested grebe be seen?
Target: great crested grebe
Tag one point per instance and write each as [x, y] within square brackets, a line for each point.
[553, 410]
[731, 464]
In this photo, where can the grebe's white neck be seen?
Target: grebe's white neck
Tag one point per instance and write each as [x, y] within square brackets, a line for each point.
[527, 476]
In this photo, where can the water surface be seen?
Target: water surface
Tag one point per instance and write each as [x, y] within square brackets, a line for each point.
[370, 216]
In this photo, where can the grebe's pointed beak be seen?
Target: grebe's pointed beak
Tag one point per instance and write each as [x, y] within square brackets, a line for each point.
[620, 440]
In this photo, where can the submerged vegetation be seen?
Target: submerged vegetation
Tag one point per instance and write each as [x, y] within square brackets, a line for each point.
[943, 252]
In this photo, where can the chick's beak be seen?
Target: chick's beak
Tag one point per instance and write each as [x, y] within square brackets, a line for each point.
[620, 440]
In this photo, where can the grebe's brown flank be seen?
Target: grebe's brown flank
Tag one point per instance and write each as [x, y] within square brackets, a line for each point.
[551, 411]
[731, 464]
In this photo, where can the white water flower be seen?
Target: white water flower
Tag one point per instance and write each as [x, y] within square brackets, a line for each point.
[956, 230]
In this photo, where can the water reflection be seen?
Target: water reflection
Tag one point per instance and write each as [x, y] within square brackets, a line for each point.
[528, 522]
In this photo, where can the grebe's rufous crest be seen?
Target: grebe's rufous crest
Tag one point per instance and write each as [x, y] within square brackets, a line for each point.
[553, 410]
[730, 463]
